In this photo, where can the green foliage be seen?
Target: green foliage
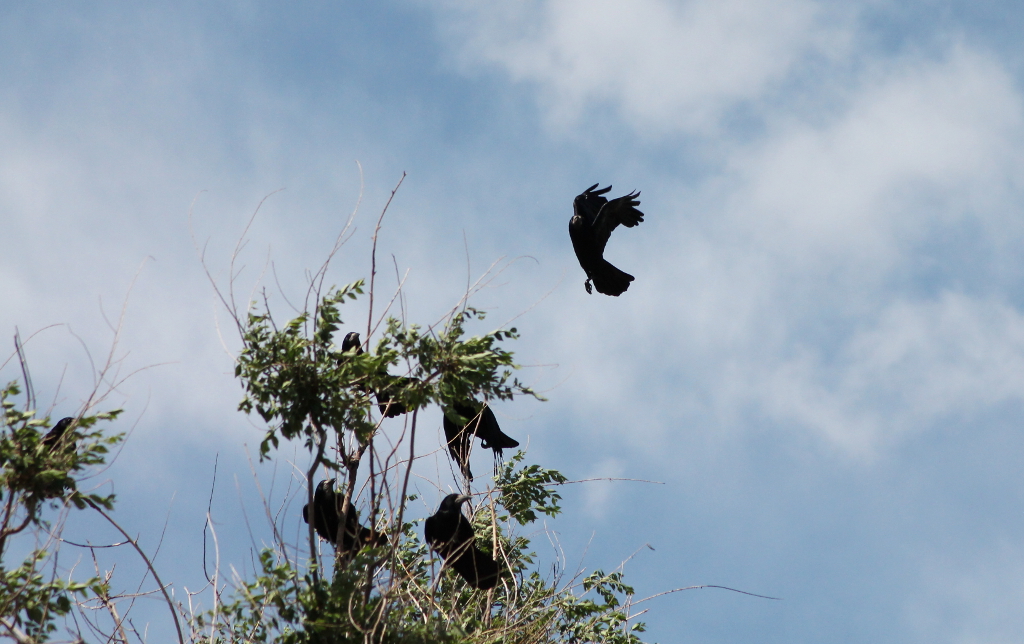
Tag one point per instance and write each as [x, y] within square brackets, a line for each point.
[581, 619]
[415, 605]
[462, 368]
[31, 473]
[528, 490]
[300, 382]
[34, 475]
[33, 602]
[306, 389]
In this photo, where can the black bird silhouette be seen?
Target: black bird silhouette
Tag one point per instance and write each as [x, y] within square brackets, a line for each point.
[59, 444]
[481, 424]
[385, 396]
[57, 432]
[450, 535]
[593, 220]
[326, 520]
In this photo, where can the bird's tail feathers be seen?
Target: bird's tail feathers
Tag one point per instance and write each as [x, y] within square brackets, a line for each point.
[499, 441]
[610, 280]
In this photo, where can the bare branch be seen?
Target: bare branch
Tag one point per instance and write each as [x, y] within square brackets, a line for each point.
[18, 634]
[149, 564]
[30, 394]
[373, 255]
[676, 590]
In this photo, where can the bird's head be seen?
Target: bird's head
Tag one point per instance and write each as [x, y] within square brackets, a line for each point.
[350, 342]
[57, 432]
[325, 486]
[453, 502]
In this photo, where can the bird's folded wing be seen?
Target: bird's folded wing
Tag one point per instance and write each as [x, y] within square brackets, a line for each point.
[476, 567]
[458, 441]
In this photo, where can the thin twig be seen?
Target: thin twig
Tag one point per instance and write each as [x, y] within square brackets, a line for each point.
[606, 479]
[405, 487]
[30, 394]
[209, 506]
[373, 254]
[322, 444]
[216, 573]
[107, 602]
[149, 564]
[676, 590]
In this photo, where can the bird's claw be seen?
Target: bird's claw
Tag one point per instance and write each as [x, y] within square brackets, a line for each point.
[586, 285]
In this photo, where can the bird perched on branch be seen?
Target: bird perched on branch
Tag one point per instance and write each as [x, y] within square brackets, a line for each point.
[450, 534]
[56, 433]
[593, 220]
[481, 424]
[385, 395]
[57, 447]
[327, 520]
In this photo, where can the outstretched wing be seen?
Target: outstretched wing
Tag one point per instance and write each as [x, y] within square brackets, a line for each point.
[621, 210]
[588, 203]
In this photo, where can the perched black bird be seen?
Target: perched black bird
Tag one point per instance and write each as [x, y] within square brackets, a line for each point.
[385, 396]
[450, 535]
[57, 432]
[593, 220]
[326, 520]
[58, 444]
[481, 424]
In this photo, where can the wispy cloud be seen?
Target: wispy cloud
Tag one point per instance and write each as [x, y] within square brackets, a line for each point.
[662, 65]
[798, 291]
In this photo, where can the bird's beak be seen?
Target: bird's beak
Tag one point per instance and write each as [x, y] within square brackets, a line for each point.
[462, 498]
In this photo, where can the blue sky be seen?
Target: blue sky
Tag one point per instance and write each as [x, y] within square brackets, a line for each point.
[822, 357]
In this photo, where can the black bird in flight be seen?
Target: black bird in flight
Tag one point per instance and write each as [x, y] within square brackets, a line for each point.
[57, 432]
[593, 220]
[450, 535]
[481, 424]
[326, 520]
[385, 396]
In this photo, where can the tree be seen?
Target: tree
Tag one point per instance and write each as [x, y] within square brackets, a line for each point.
[36, 473]
[306, 389]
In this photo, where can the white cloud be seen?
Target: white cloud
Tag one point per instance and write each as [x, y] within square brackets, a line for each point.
[776, 288]
[664, 65]
[841, 212]
[794, 291]
[921, 144]
[792, 295]
[917, 364]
